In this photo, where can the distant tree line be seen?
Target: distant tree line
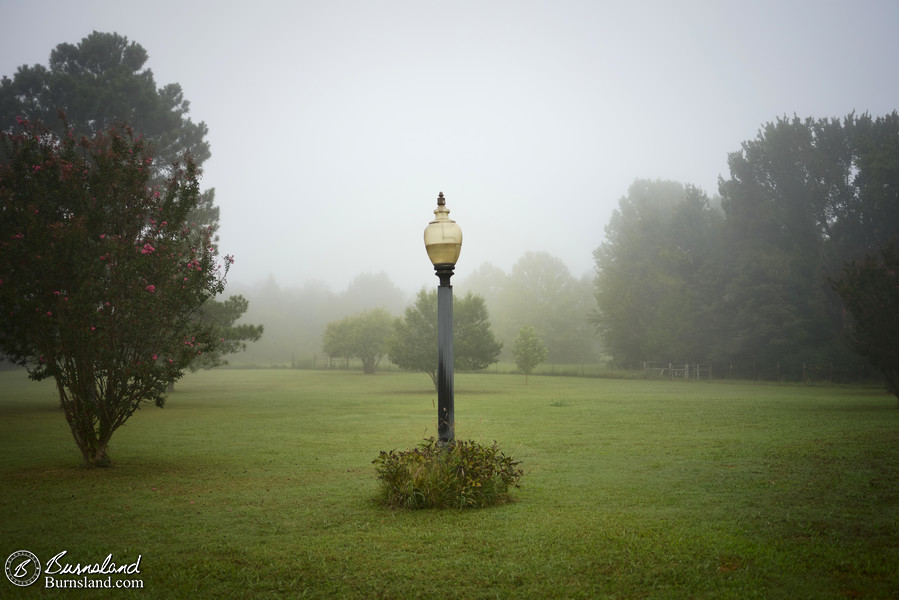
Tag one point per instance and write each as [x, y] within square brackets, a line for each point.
[751, 281]
[757, 278]
[295, 318]
[539, 292]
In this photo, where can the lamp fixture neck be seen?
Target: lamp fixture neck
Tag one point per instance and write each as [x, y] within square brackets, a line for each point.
[444, 272]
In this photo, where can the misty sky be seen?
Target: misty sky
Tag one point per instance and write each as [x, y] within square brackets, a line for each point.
[334, 124]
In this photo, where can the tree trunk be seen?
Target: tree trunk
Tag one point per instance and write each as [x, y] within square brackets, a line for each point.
[94, 450]
[96, 457]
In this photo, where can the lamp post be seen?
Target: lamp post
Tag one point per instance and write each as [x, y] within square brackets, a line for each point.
[443, 241]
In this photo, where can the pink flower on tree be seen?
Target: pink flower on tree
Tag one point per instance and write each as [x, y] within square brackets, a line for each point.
[151, 288]
[147, 249]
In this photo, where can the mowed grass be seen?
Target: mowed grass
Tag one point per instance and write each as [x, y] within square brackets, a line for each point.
[259, 483]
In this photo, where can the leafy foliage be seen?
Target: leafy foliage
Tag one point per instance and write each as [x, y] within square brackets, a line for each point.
[455, 474]
[870, 291]
[777, 217]
[363, 336]
[529, 351]
[234, 338]
[747, 286]
[98, 83]
[652, 273]
[539, 290]
[414, 343]
[102, 274]
[103, 81]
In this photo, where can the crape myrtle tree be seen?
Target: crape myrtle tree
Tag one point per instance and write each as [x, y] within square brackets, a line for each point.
[413, 345]
[102, 274]
[103, 81]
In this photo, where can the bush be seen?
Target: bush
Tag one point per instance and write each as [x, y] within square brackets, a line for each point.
[455, 474]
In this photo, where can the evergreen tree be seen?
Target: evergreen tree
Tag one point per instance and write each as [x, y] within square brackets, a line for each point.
[413, 345]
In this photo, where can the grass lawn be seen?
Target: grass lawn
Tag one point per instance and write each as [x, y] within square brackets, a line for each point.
[259, 483]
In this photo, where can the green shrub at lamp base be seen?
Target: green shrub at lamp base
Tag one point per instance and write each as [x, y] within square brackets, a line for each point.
[455, 474]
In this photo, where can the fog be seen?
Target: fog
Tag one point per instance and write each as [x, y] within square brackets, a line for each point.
[334, 125]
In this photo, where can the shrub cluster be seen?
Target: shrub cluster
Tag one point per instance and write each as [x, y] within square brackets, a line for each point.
[455, 474]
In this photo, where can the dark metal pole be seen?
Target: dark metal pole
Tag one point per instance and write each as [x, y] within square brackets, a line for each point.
[445, 402]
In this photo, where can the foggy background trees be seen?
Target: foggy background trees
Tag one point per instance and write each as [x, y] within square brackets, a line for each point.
[745, 287]
[539, 291]
[738, 279]
[870, 290]
[364, 335]
[740, 282]
[654, 279]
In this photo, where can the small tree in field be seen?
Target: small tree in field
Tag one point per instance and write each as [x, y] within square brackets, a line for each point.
[528, 351]
[363, 336]
[102, 274]
[413, 345]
